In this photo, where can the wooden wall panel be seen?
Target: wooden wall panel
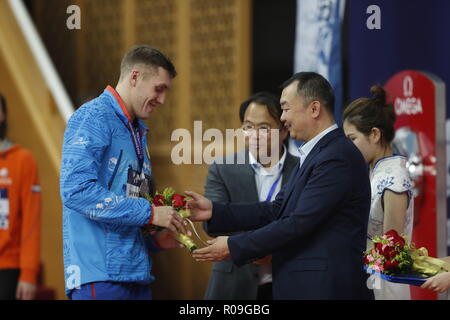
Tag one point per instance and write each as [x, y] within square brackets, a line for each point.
[156, 25]
[102, 45]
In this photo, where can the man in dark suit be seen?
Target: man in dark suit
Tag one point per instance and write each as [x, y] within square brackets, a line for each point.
[316, 228]
[249, 182]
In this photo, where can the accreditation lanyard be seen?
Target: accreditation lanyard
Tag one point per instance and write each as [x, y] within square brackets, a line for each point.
[137, 142]
[272, 189]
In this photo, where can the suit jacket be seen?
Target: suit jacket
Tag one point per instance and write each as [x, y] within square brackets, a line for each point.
[316, 227]
[236, 183]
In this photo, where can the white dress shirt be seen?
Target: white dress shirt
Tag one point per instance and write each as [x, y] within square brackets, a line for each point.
[265, 178]
[306, 148]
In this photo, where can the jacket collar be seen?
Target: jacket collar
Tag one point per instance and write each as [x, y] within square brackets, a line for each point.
[120, 109]
[325, 140]
[6, 147]
[290, 163]
[330, 136]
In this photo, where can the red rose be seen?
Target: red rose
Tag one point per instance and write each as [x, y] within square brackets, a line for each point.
[393, 254]
[178, 201]
[159, 200]
[398, 240]
[390, 265]
[401, 242]
[389, 252]
[394, 234]
[379, 247]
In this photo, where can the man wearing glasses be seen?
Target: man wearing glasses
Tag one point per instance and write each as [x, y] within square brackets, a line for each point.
[267, 167]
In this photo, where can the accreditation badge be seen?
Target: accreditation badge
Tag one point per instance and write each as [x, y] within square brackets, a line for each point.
[4, 209]
[138, 184]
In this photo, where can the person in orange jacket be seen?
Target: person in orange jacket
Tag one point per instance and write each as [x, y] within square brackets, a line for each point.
[20, 218]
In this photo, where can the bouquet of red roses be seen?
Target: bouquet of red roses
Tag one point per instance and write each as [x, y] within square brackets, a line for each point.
[392, 255]
[169, 198]
[389, 255]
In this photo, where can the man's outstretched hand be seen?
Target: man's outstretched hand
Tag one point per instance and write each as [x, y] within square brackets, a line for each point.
[216, 251]
[200, 207]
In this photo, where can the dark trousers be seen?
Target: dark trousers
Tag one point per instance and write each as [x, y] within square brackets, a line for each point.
[265, 291]
[8, 283]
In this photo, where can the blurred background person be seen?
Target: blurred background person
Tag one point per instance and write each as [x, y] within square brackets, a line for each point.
[369, 123]
[20, 217]
[256, 180]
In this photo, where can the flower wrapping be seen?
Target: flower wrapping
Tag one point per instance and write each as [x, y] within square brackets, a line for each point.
[169, 198]
[392, 255]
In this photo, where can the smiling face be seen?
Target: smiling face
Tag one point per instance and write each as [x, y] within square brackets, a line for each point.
[148, 89]
[259, 141]
[296, 114]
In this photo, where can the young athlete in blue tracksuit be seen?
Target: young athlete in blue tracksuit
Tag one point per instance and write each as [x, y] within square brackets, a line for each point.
[105, 169]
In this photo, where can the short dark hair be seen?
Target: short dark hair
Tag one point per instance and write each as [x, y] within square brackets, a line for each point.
[149, 56]
[312, 86]
[368, 113]
[271, 101]
[4, 124]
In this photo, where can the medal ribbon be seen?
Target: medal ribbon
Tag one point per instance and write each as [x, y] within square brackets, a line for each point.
[272, 189]
[137, 142]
